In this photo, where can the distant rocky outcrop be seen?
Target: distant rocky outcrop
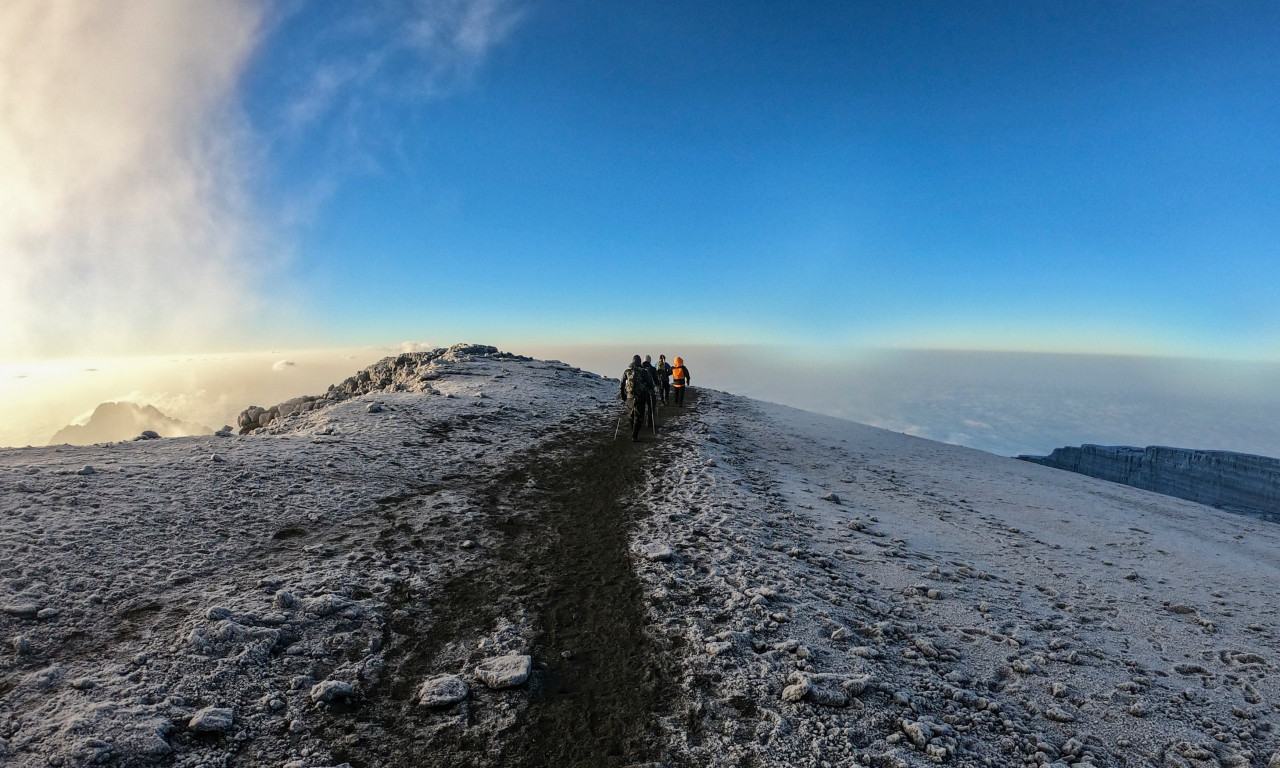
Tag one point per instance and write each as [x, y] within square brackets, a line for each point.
[1238, 482]
[113, 422]
[408, 372]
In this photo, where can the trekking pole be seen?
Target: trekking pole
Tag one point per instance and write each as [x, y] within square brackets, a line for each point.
[617, 427]
[653, 414]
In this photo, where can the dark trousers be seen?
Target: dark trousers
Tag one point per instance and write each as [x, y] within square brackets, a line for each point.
[679, 394]
[666, 390]
[639, 407]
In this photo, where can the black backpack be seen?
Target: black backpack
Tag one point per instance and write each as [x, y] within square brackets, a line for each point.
[637, 383]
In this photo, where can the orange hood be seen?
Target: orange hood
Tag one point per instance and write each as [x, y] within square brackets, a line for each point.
[679, 361]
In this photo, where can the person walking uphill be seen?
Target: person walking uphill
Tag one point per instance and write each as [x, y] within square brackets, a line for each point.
[637, 390]
[681, 379]
[664, 378]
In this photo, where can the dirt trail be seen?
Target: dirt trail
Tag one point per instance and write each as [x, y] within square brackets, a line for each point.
[560, 522]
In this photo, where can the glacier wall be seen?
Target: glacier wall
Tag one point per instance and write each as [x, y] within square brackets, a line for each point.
[1237, 482]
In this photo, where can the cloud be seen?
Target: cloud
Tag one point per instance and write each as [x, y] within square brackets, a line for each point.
[124, 217]
[280, 365]
[128, 215]
[379, 52]
[415, 346]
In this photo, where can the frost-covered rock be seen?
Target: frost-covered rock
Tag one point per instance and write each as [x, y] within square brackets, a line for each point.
[442, 690]
[504, 671]
[328, 690]
[212, 719]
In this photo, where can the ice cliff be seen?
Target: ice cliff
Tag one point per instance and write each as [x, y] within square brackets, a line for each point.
[1238, 482]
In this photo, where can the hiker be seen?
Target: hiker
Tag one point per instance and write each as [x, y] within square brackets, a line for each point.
[637, 390]
[681, 378]
[664, 377]
[653, 377]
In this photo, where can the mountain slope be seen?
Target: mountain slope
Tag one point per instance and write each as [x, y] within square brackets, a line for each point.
[111, 422]
[281, 598]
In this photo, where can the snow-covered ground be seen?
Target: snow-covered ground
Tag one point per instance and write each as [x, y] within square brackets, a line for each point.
[753, 586]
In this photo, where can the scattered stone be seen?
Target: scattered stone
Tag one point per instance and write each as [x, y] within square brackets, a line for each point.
[442, 691]
[149, 434]
[44, 679]
[657, 552]
[284, 600]
[328, 690]
[374, 408]
[217, 613]
[797, 691]
[709, 463]
[212, 720]
[21, 610]
[831, 497]
[87, 469]
[1059, 715]
[216, 459]
[46, 614]
[1131, 575]
[325, 605]
[504, 671]
[21, 645]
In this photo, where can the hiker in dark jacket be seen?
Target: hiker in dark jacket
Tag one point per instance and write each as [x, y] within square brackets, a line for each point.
[636, 389]
[663, 369]
[653, 377]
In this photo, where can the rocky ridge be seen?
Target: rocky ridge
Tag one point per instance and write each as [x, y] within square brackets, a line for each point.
[1238, 482]
[408, 372]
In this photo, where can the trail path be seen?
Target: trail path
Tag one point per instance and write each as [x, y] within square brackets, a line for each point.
[758, 587]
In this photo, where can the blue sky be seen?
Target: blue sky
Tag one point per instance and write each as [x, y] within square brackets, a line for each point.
[1048, 176]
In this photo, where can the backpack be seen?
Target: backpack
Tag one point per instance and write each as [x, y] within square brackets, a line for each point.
[664, 369]
[637, 383]
[678, 372]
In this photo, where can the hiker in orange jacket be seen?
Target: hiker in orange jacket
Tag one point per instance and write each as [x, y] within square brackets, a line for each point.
[680, 378]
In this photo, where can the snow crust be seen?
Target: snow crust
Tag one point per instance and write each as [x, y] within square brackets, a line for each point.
[822, 593]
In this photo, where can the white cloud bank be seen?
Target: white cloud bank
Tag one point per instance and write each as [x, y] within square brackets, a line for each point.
[127, 218]
[124, 218]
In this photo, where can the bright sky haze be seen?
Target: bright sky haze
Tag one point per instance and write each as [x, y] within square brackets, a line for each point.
[1051, 176]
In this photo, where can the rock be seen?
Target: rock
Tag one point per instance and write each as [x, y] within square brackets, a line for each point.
[149, 434]
[212, 720]
[21, 610]
[21, 645]
[1059, 715]
[328, 690]
[1274, 762]
[325, 604]
[44, 679]
[46, 614]
[828, 697]
[467, 544]
[87, 469]
[709, 463]
[374, 408]
[284, 600]
[831, 497]
[918, 731]
[504, 671]
[657, 552]
[443, 690]
[217, 613]
[216, 459]
[798, 689]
